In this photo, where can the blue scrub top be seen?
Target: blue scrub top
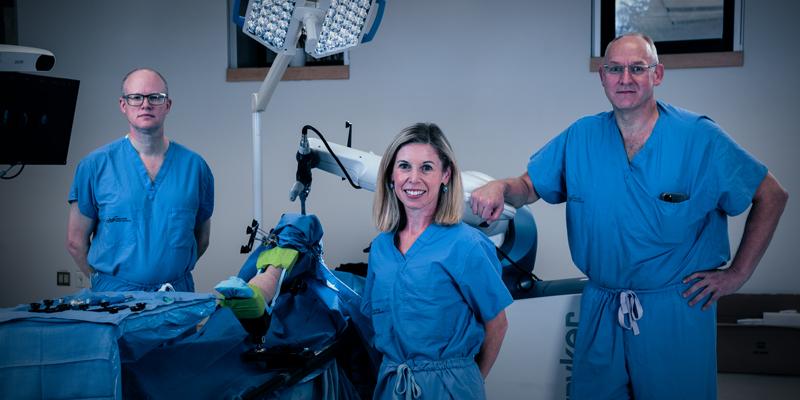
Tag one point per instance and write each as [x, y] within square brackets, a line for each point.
[144, 228]
[432, 303]
[621, 234]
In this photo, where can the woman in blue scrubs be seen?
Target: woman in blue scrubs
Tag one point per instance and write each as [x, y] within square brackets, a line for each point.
[434, 291]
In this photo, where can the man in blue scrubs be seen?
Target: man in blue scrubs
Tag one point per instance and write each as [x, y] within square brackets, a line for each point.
[140, 206]
[648, 188]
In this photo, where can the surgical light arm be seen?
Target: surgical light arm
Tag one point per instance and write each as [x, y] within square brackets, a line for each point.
[259, 103]
[330, 26]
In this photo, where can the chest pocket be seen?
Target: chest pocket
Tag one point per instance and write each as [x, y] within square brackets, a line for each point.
[666, 222]
[674, 220]
[181, 227]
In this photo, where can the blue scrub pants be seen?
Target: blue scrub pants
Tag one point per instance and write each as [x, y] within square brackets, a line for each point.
[108, 283]
[455, 378]
[673, 356]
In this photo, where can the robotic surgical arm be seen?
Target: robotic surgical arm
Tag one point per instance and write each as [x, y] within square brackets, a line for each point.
[362, 168]
[514, 233]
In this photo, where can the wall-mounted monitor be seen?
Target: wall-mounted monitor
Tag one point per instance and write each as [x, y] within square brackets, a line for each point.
[36, 114]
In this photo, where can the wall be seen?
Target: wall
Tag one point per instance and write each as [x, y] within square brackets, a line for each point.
[500, 82]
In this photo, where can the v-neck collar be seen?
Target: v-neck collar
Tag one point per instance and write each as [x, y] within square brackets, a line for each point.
[420, 242]
[646, 147]
[141, 170]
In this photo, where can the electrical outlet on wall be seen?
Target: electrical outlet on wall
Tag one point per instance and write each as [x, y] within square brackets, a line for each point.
[81, 280]
[62, 278]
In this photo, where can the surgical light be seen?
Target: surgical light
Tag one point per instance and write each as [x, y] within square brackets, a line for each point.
[330, 27]
[269, 21]
[278, 23]
[343, 26]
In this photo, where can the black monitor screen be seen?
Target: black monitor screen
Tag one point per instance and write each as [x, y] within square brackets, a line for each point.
[36, 114]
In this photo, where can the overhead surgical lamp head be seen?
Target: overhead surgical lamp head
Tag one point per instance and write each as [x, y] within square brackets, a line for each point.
[331, 26]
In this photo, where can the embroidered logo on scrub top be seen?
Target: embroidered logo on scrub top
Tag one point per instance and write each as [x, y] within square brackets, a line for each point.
[576, 199]
[117, 219]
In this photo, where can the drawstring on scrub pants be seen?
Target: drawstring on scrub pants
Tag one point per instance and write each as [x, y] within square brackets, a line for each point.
[630, 310]
[406, 386]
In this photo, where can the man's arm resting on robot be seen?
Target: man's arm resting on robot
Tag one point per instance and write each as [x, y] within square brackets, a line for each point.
[768, 204]
[79, 229]
[495, 333]
[487, 201]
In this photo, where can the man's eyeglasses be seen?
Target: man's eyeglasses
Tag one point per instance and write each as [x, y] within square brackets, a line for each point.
[137, 99]
[634, 69]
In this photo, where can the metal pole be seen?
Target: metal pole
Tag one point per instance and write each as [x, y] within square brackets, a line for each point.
[258, 104]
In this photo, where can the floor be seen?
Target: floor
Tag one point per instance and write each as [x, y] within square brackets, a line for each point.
[760, 387]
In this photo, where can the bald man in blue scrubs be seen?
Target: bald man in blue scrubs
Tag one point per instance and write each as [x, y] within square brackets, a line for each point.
[649, 187]
[140, 207]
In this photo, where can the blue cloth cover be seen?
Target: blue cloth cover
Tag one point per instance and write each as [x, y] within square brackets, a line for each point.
[59, 359]
[77, 354]
[234, 288]
[300, 232]
[207, 364]
[200, 365]
[313, 318]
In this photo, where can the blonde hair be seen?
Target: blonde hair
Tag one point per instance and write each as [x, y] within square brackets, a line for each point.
[387, 211]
